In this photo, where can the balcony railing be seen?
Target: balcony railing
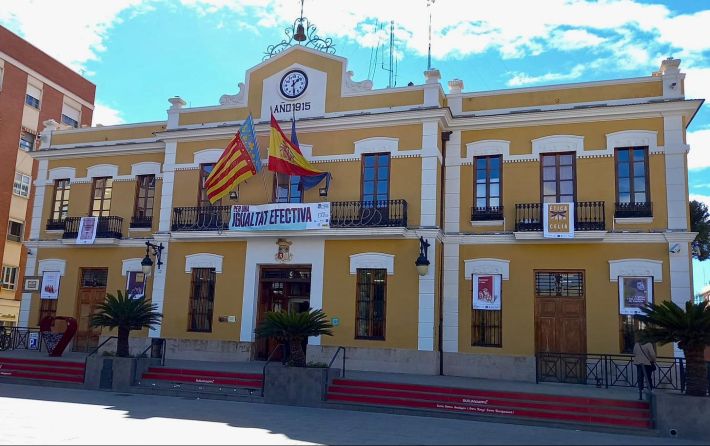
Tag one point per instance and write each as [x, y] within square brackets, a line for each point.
[55, 225]
[588, 216]
[108, 227]
[487, 213]
[343, 214]
[141, 222]
[633, 210]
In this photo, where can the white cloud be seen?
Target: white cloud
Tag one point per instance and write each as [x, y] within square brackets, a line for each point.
[521, 79]
[105, 115]
[699, 155]
[575, 39]
[701, 198]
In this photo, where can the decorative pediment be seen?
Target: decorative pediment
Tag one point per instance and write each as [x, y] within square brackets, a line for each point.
[487, 266]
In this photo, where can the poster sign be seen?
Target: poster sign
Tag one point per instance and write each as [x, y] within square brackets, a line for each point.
[486, 292]
[135, 284]
[87, 230]
[634, 293]
[280, 217]
[558, 220]
[50, 285]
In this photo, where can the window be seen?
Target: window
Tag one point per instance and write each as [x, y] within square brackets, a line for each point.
[202, 200]
[487, 188]
[15, 230]
[287, 189]
[201, 299]
[94, 278]
[27, 141]
[559, 284]
[371, 303]
[101, 197]
[632, 184]
[376, 178]
[486, 328]
[629, 326]
[21, 185]
[60, 205]
[558, 178]
[69, 121]
[145, 197]
[33, 96]
[9, 277]
[47, 308]
[31, 101]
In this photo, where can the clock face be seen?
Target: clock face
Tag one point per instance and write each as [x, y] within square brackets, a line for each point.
[293, 84]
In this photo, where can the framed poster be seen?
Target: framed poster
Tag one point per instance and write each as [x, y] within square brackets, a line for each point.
[558, 220]
[486, 292]
[87, 230]
[135, 284]
[32, 284]
[50, 285]
[634, 293]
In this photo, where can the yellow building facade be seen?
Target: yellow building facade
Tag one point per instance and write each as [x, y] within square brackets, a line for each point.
[469, 174]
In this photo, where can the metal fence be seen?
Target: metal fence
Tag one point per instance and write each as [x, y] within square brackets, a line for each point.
[20, 338]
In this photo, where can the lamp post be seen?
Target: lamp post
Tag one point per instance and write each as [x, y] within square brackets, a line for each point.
[422, 261]
[147, 263]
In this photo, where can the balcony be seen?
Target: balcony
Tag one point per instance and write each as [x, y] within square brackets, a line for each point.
[108, 227]
[343, 214]
[488, 213]
[55, 225]
[588, 216]
[633, 210]
[141, 222]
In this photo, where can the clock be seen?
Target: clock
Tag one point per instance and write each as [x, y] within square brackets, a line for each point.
[293, 84]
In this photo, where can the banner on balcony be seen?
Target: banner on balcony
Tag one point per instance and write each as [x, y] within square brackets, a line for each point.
[87, 230]
[558, 220]
[634, 293]
[486, 292]
[50, 285]
[280, 217]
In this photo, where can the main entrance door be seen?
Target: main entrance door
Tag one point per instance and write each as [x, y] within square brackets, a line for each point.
[560, 325]
[285, 288]
[92, 292]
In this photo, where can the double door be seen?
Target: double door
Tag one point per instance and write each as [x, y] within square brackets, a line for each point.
[92, 293]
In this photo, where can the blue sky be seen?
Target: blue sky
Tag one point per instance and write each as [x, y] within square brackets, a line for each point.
[141, 52]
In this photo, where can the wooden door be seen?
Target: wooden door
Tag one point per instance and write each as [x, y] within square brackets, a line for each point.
[272, 298]
[92, 292]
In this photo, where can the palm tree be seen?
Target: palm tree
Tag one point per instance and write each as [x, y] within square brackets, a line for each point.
[690, 328]
[293, 328]
[126, 314]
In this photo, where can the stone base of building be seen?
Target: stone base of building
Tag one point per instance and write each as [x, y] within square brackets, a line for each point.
[393, 360]
[191, 349]
[505, 367]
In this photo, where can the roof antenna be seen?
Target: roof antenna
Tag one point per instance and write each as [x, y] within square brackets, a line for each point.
[429, 4]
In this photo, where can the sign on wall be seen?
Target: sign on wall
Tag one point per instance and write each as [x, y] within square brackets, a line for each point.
[87, 230]
[280, 217]
[135, 284]
[486, 292]
[558, 220]
[634, 293]
[50, 285]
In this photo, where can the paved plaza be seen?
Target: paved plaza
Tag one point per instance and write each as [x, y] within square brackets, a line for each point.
[48, 415]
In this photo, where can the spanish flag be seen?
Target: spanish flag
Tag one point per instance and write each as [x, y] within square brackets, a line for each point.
[234, 166]
[285, 157]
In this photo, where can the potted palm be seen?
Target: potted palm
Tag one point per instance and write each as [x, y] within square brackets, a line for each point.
[125, 314]
[296, 383]
[690, 328]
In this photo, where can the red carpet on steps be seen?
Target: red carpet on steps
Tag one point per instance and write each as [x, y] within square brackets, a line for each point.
[42, 370]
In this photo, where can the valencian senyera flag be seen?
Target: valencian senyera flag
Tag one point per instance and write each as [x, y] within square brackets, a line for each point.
[234, 166]
[250, 142]
[285, 157]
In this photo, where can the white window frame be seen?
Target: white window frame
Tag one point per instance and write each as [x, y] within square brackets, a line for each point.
[21, 185]
[9, 272]
[73, 123]
[22, 231]
[32, 145]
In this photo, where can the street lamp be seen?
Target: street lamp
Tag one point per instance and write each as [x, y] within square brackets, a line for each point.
[147, 263]
[422, 261]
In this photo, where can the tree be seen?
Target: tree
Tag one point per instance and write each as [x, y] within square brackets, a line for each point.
[126, 314]
[700, 223]
[293, 328]
[690, 328]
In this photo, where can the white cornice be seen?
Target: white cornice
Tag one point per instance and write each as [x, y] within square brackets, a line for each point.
[98, 243]
[631, 80]
[127, 148]
[580, 237]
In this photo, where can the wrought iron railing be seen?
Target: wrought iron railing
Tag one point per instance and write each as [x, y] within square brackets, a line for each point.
[588, 216]
[368, 214]
[604, 370]
[343, 214]
[20, 338]
[55, 225]
[486, 213]
[108, 227]
[633, 210]
[141, 222]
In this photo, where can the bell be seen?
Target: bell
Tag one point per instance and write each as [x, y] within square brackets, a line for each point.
[300, 35]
